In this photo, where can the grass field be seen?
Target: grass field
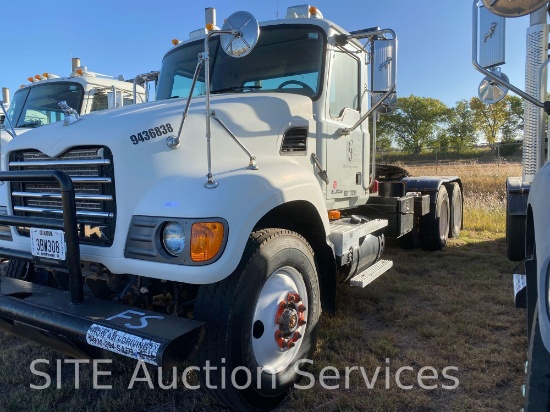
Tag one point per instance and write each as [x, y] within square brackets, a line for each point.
[445, 309]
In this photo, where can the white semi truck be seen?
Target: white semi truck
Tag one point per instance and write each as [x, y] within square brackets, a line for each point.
[528, 196]
[236, 201]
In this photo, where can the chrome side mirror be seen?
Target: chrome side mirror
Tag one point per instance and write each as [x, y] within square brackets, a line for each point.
[241, 33]
[489, 91]
[384, 63]
[516, 8]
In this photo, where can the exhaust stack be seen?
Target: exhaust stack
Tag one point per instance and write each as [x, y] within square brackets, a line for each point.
[75, 64]
[6, 96]
[210, 16]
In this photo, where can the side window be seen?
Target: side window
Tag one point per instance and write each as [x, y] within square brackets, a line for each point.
[344, 83]
[99, 102]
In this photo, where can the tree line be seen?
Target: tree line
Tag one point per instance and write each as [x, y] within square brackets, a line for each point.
[423, 122]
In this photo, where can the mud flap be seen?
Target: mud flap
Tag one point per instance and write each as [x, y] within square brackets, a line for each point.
[46, 316]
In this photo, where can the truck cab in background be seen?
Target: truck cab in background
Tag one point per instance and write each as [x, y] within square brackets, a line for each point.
[528, 196]
[36, 104]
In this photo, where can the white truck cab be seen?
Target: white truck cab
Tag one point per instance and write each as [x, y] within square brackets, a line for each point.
[36, 104]
[234, 197]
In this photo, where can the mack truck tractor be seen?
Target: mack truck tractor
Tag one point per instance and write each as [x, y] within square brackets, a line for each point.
[528, 196]
[215, 222]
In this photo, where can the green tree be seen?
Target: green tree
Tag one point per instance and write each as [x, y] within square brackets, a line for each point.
[461, 130]
[413, 124]
[513, 125]
[498, 120]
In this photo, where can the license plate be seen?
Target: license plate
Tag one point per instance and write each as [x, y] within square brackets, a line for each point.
[48, 243]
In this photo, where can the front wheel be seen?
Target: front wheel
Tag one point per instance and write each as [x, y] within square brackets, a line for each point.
[260, 322]
[537, 388]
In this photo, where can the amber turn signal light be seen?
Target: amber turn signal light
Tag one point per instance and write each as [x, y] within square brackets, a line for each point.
[206, 240]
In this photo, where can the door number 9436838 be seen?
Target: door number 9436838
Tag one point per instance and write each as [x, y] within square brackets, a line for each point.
[151, 133]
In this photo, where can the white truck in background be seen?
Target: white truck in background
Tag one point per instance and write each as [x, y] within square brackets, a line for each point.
[528, 196]
[236, 201]
[37, 103]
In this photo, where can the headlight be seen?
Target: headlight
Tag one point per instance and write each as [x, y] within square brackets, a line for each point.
[173, 238]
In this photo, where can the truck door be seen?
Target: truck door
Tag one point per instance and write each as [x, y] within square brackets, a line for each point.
[345, 153]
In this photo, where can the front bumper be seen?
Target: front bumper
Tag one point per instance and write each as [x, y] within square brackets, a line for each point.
[46, 316]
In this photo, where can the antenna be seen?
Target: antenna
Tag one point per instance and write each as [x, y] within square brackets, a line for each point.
[277, 9]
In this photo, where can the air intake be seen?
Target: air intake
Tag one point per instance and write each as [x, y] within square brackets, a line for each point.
[295, 141]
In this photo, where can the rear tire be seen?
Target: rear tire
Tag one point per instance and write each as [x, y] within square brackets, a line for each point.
[434, 227]
[240, 315]
[455, 217]
[411, 240]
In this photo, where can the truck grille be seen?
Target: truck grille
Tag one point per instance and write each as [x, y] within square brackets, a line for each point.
[92, 171]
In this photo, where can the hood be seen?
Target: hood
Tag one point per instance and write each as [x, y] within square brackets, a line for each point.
[251, 117]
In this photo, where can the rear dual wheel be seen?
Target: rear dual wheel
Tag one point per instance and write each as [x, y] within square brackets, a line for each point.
[434, 227]
[456, 203]
[261, 319]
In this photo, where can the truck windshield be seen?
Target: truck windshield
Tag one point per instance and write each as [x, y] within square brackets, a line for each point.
[38, 105]
[287, 59]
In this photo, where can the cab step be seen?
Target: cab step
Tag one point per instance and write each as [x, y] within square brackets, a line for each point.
[371, 273]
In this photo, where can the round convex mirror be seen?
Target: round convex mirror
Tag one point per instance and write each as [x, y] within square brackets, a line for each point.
[388, 105]
[490, 91]
[515, 8]
[242, 43]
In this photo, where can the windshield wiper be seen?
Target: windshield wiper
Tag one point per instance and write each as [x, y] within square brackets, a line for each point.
[236, 89]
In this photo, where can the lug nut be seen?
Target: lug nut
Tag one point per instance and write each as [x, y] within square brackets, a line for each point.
[297, 335]
[290, 345]
[301, 322]
[302, 308]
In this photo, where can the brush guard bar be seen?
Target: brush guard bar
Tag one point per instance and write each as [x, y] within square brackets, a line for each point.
[68, 321]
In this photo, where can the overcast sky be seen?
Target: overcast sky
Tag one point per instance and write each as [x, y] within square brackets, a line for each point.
[130, 37]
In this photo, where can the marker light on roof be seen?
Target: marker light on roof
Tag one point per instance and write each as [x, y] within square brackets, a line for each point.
[38, 77]
[303, 11]
[30, 79]
[175, 42]
[210, 26]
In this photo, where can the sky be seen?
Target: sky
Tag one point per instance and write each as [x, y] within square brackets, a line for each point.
[131, 37]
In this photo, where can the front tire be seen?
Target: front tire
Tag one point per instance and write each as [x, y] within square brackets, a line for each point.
[538, 371]
[251, 321]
